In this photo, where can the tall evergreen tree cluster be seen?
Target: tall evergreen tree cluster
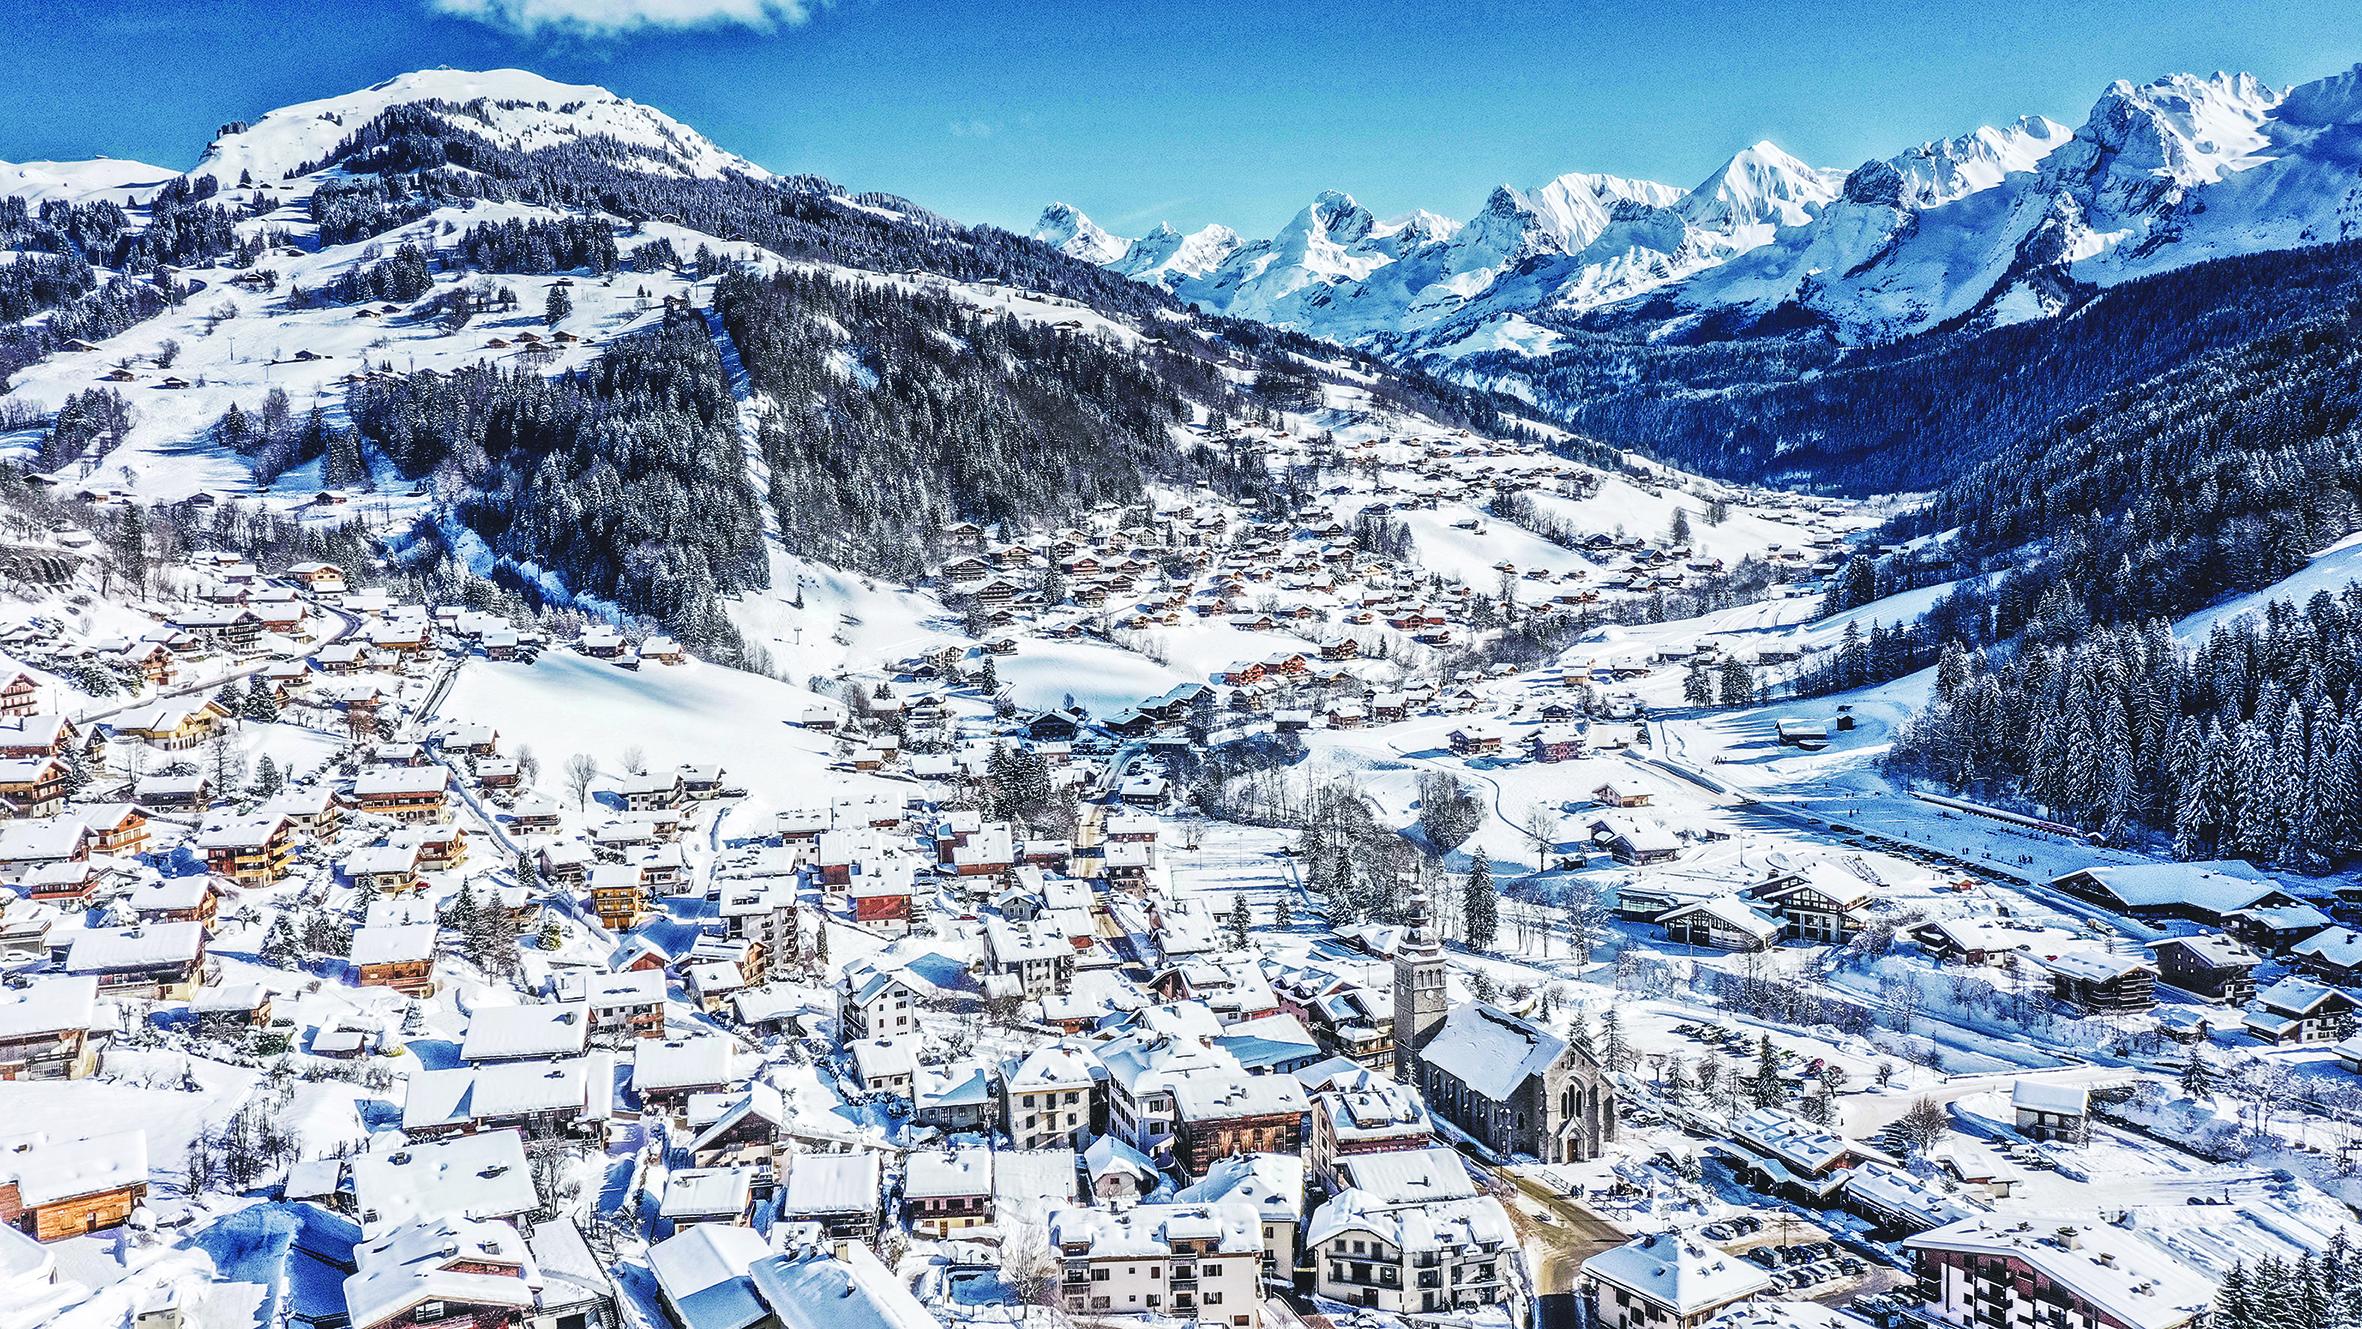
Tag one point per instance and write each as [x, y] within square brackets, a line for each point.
[2249, 746]
[2309, 1292]
[626, 480]
[933, 413]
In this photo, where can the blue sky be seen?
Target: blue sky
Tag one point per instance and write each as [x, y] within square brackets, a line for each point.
[1188, 110]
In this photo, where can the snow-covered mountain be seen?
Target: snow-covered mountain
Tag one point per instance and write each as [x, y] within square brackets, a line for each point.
[100, 179]
[2005, 225]
[1077, 236]
[1579, 240]
[512, 108]
[2000, 224]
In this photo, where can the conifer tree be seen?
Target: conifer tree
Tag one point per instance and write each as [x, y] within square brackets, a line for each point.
[1480, 905]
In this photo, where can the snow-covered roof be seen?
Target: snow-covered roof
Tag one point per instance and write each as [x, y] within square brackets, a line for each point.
[954, 1173]
[1272, 1183]
[2339, 948]
[2133, 1282]
[2218, 887]
[1406, 1176]
[413, 1263]
[1423, 1225]
[813, 1290]
[684, 1063]
[2035, 1095]
[47, 1170]
[47, 1005]
[701, 1192]
[830, 1184]
[1490, 1050]
[401, 943]
[702, 1273]
[1790, 1139]
[534, 1029]
[1150, 1230]
[141, 946]
[469, 1176]
[397, 781]
[1680, 1272]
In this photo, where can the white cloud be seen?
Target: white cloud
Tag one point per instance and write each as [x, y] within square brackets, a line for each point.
[974, 128]
[604, 17]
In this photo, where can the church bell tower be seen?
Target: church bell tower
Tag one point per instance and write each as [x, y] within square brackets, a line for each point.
[1419, 994]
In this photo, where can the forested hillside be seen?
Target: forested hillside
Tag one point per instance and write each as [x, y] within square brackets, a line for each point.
[1923, 411]
[895, 414]
[626, 483]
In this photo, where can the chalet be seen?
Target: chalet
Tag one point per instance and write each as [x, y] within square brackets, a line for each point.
[2101, 984]
[120, 829]
[169, 790]
[1823, 903]
[398, 956]
[391, 868]
[2202, 892]
[26, 737]
[2049, 1110]
[52, 1188]
[46, 1028]
[2301, 1010]
[1613, 795]
[839, 1192]
[160, 962]
[957, 1097]
[20, 696]
[256, 850]
[191, 899]
[1635, 843]
[30, 844]
[650, 792]
[882, 900]
[618, 895]
[170, 725]
[2334, 953]
[543, 1099]
[318, 578]
[1668, 1280]
[410, 795]
[2208, 965]
[2275, 929]
[876, 1003]
[947, 1190]
[1724, 923]
[622, 1006]
[32, 786]
[1556, 743]
[229, 629]
[748, 1133]
[1476, 741]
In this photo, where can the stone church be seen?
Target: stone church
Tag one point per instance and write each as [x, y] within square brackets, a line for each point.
[1504, 1081]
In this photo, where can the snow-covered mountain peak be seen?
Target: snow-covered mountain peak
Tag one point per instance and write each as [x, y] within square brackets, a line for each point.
[2188, 129]
[514, 108]
[1576, 207]
[1761, 185]
[1065, 227]
[1335, 216]
[1941, 170]
[1166, 255]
